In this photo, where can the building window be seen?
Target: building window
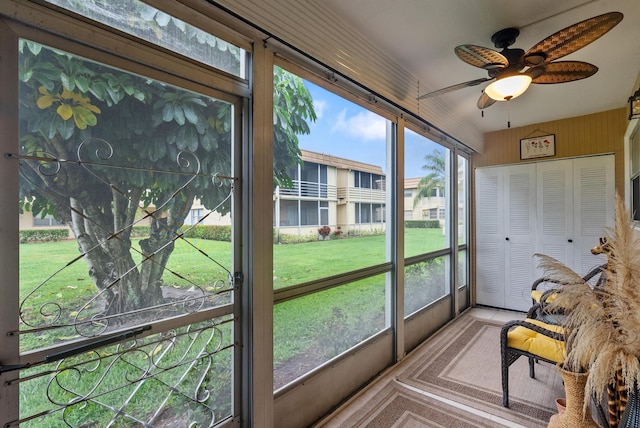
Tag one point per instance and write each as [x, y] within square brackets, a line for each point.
[312, 181]
[304, 213]
[48, 220]
[293, 172]
[196, 215]
[379, 214]
[433, 214]
[367, 180]
[309, 213]
[322, 182]
[408, 193]
[441, 213]
[365, 213]
[370, 213]
[324, 213]
[288, 213]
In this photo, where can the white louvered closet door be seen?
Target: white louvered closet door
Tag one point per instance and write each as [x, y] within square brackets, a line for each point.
[489, 202]
[555, 211]
[558, 208]
[520, 233]
[594, 196]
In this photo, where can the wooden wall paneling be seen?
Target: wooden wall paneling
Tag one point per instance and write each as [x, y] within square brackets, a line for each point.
[578, 136]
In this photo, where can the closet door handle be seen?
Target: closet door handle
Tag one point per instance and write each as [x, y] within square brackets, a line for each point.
[506, 239]
[570, 240]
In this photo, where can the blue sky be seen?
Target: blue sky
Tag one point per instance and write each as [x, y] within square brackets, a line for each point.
[347, 130]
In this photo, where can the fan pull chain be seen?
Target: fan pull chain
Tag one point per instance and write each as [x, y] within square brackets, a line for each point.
[508, 115]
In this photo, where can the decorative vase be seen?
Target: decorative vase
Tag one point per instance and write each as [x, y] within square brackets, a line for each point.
[574, 390]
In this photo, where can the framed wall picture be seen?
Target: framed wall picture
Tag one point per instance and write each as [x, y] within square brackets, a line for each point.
[538, 147]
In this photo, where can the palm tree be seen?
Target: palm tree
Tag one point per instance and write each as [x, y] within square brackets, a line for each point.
[435, 166]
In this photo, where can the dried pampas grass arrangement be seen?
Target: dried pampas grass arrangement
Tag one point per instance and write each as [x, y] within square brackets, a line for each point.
[602, 325]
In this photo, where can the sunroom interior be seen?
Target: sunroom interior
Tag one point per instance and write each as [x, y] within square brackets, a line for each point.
[240, 213]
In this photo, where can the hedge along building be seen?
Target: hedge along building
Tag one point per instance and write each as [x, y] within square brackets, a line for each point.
[346, 195]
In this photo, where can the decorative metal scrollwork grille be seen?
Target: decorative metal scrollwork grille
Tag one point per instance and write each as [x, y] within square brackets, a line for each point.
[96, 314]
[177, 378]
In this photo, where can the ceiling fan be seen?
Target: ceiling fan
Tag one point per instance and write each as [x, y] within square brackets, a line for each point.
[513, 69]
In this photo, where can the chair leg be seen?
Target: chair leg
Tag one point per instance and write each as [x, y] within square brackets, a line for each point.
[532, 373]
[505, 369]
[505, 382]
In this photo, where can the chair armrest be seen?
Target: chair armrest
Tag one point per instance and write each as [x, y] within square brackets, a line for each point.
[601, 273]
[598, 270]
[539, 281]
[549, 295]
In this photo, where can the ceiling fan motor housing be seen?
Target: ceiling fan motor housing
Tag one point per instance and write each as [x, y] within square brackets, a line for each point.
[505, 38]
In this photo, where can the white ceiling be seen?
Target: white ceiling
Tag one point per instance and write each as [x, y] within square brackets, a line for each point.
[422, 34]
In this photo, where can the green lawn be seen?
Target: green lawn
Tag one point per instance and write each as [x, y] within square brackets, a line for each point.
[47, 283]
[307, 331]
[293, 263]
[298, 263]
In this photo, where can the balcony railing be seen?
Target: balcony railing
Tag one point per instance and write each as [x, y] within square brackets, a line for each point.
[360, 194]
[307, 189]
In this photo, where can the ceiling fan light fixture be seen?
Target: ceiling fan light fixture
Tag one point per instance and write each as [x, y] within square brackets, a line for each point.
[508, 88]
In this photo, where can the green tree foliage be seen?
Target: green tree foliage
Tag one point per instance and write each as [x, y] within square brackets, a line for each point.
[140, 144]
[291, 109]
[435, 167]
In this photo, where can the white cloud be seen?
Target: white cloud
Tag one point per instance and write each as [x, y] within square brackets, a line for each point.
[364, 125]
[319, 106]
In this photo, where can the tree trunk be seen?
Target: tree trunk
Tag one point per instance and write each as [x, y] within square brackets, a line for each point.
[103, 207]
[160, 245]
[103, 240]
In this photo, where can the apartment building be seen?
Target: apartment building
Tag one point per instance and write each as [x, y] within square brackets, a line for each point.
[346, 195]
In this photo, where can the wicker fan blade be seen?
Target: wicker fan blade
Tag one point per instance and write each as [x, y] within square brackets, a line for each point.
[485, 101]
[565, 71]
[454, 88]
[481, 57]
[572, 38]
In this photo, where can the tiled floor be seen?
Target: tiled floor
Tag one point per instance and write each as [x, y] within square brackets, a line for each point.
[343, 413]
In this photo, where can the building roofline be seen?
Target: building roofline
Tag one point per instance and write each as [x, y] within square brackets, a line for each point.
[411, 183]
[338, 162]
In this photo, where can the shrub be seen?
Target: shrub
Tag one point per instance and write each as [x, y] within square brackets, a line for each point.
[361, 233]
[140, 231]
[43, 235]
[296, 239]
[422, 224]
[324, 231]
[212, 233]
